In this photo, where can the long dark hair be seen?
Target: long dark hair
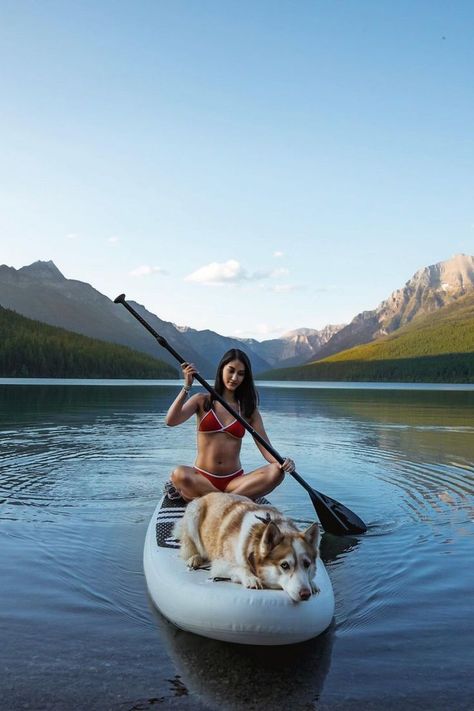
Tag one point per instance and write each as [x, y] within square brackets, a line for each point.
[246, 394]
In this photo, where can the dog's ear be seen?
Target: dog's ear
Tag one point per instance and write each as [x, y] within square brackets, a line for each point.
[270, 539]
[311, 535]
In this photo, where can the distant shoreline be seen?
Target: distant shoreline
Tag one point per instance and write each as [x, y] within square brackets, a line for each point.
[298, 384]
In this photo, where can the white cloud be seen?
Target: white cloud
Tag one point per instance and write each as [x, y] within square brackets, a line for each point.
[278, 254]
[72, 235]
[113, 240]
[233, 273]
[215, 274]
[145, 270]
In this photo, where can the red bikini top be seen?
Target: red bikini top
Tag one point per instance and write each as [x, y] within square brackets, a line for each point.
[210, 423]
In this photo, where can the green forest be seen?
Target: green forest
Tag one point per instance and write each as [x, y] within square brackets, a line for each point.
[437, 347]
[30, 349]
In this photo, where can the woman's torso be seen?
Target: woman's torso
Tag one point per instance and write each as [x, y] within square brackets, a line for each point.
[219, 441]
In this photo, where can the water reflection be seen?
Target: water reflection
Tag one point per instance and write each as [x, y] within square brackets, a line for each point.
[333, 548]
[81, 465]
[33, 402]
[241, 678]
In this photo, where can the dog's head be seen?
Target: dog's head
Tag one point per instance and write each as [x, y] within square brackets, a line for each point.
[287, 560]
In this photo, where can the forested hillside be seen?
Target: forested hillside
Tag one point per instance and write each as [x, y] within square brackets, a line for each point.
[437, 347]
[30, 349]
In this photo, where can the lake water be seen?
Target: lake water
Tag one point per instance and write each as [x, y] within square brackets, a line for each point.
[81, 469]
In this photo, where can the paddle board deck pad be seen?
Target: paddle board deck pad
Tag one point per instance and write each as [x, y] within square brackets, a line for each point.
[223, 610]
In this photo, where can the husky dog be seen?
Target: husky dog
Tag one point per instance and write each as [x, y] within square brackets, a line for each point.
[251, 544]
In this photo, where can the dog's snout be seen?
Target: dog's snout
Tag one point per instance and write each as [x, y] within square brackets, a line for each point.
[305, 594]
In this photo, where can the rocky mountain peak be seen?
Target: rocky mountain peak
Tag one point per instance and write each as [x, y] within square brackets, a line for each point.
[290, 335]
[302, 334]
[428, 289]
[456, 273]
[42, 270]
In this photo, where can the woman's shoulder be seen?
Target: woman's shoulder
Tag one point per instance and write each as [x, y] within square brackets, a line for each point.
[201, 399]
[255, 416]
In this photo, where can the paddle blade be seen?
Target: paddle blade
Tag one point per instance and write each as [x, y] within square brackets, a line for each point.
[335, 517]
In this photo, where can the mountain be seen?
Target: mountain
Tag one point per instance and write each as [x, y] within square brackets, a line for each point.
[41, 292]
[295, 347]
[32, 349]
[214, 346]
[428, 289]
[437, 346]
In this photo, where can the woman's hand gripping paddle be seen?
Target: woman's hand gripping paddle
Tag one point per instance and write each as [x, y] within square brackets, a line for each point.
[334, 516]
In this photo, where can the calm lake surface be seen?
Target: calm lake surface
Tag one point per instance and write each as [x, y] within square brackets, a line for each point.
[81, 470]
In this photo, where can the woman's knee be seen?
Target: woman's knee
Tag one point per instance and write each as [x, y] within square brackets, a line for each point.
[180, 476]
[275, 474]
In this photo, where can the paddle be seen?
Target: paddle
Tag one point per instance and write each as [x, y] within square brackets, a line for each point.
[334, 516]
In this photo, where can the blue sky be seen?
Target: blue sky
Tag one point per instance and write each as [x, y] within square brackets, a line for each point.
[249, 167]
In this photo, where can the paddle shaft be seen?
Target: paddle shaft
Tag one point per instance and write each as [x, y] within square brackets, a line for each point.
[164, 343]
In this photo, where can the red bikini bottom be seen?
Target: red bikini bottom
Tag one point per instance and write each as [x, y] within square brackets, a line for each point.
[220, 481]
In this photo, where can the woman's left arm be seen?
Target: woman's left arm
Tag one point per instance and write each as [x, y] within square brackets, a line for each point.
[257, 423]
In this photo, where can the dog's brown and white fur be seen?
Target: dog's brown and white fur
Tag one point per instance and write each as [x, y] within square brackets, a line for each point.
[251, 544]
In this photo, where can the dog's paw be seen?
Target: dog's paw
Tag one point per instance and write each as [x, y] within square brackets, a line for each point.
[314, 589]
[195, 562]
[252, 582]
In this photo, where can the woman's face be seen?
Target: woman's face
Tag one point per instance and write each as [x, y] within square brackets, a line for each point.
[233, 374]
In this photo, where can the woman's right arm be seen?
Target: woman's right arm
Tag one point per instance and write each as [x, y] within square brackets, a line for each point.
[182, 408]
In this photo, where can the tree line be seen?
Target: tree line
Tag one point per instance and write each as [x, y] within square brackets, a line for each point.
[31, 349]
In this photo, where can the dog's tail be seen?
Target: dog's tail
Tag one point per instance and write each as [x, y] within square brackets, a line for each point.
[178, 530]
[187, 529]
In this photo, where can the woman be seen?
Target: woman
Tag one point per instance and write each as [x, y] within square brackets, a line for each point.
[219, 439]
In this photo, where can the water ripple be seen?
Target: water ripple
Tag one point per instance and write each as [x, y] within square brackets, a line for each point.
[81, 470]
